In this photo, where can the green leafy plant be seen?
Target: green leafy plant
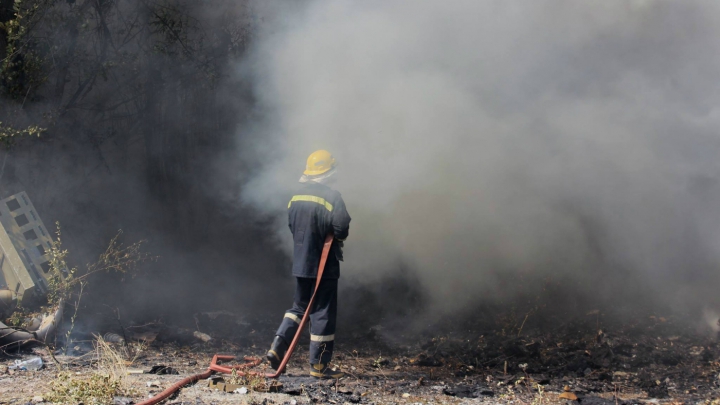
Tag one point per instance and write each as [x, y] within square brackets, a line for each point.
[66, 284]
[22, 68]
[116, 258]
[8, 134]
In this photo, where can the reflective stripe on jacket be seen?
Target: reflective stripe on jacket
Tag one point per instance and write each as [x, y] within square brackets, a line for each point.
[313, 212]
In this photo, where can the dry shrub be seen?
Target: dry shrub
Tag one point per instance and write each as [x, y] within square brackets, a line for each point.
[100, 388]
[69, 389]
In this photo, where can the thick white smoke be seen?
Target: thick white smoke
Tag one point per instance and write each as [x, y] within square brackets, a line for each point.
[486, 141]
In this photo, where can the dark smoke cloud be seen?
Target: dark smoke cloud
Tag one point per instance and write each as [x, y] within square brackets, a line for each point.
[143, 113]
[498, 147]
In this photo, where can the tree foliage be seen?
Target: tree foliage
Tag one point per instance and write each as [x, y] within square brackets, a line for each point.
[101, 66]
[9, 134]
[150, 80]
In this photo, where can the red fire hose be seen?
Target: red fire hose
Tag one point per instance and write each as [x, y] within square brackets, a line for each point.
[250, 361]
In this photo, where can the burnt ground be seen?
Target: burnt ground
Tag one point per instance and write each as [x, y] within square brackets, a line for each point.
[646, 359]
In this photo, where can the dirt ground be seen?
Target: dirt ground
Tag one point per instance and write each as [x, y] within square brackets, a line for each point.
[652, 360]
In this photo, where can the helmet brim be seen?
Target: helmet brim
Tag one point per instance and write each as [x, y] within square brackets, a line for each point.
[319, 178]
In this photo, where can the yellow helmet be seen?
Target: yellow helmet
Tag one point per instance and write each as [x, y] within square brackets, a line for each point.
[319, 162]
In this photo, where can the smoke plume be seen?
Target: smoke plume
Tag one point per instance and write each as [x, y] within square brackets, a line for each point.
[499, 148]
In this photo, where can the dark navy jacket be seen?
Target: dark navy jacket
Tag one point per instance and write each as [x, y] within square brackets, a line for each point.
[313, 212]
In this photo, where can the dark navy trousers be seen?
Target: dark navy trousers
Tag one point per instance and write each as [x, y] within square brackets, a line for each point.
[322, 317]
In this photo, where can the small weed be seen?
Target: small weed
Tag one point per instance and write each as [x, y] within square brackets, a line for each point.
[538, 399]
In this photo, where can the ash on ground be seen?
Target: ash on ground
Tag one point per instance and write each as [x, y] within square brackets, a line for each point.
[650, 360]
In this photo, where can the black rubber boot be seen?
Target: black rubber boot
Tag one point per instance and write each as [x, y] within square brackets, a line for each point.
[323, 371]
[277, 352]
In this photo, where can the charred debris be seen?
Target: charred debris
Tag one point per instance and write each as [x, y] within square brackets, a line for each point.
[587, 359]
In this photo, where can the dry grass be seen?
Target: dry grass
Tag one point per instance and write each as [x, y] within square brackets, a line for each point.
[110, 361]
[256, 381]
[107, 381]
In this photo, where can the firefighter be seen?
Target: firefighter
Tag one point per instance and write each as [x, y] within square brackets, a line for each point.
[313, 212]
